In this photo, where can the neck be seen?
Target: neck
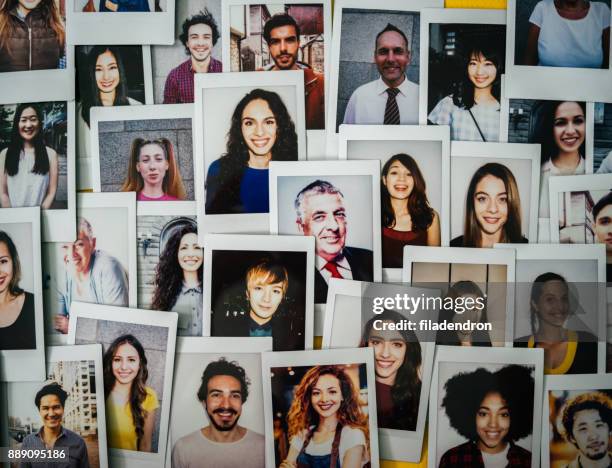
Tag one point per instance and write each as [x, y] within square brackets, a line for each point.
[294, 67]
[257, 161]
[395, 83]
[571, 4]
[108, 99]
[400, 206]
[465, 340]
[122, 389]
[497, 449]
[586, 462]
[23, 12]
[233, 435]
[6, 296]
[259, 320]
[190, 278]
[567, 159]
[550, 333]
[487, 240]
[153, 191]
[51, 434]
[328, 424]
[390, 380]
[200, 66]
[27, 145]
[482, 95]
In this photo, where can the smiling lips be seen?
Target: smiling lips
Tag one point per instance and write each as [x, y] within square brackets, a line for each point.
[491, 219]
[260, 142]
[384, 364]
[325, 406]
[570, 141]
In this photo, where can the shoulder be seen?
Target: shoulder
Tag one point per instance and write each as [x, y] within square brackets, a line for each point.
[357, 252]
[584, 336]
[74, 436]
[29, 440]
[254, 437]
[188, 439]
[103, 260]
[409, 86]
[600, 8]
[51, 152]
[453, 456]
[5, 150]
[151, 401]
[214, 167]
[516, 451]
[353, 436]
[365, 90]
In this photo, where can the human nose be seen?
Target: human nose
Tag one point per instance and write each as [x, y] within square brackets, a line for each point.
[385, 349]
[267, 295]
[331, 223]
[225, 401]
[123, 364]
[493, 421]
[492, 206]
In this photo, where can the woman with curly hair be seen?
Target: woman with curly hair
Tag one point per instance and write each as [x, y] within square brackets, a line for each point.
[153, 171]
[492, 410]
[130, 404]
[178, 280]
[397, 361]
[407, 218]
[261, 131]
[325, 423]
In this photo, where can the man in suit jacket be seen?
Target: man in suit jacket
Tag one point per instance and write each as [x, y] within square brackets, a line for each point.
[321, 213]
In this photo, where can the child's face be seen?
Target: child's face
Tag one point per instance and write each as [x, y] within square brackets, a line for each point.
[264, 299]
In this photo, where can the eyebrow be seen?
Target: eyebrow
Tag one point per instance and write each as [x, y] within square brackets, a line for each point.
[488, 195]
[222, 391]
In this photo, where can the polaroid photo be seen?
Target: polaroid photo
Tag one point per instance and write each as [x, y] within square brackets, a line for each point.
[197, 46]
[343, 377]
[232, 176]
[491, 399]
[170, 262]
[458, 272]
[257, 285]
[573, 278]
[138, 348]
[363, 34]
[36, 60]
[576, 420]
[98, 267]
[106, 22]
[354, 317]
[144, 149]
[551, 42]
[47, 128]
[73, 385]
[280, 37]
[465, 53]
[338, 202]
[122, 77]
[206, 372]
[494, 187]
[602, 147]
[22, 345]
[414, 159]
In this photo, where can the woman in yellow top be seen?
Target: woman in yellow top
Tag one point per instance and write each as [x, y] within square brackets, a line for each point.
[130, 404]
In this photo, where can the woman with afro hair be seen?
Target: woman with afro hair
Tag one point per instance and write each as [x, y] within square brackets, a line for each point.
[492, 410]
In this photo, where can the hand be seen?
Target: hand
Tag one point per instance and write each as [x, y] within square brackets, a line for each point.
[287, 464]
[111, 6]
[61, 324]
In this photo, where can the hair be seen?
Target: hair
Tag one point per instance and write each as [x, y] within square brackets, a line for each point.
[601, 204]
[138, 391]
[465, 392]
[393, 28]
[85, 226]
[224, 367]
[202, 17]
[49, 11]
[302, 415]
[586, 401]
[90, 94]
[512, 229]
[13, 286]
[544, 129]
[536, 291]
[51, 389]
[491, 49]
[13, 152]
[278, 20]
[318, 187]
[267, 272]
[172, 183]
[406, 389]
[455, 291]
[421, 213]
[168, 273]
[233, 163]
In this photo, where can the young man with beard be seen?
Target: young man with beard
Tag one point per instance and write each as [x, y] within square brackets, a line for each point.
[223, 443]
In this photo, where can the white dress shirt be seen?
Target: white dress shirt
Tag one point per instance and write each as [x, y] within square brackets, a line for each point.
[341, 262]
[367, 103]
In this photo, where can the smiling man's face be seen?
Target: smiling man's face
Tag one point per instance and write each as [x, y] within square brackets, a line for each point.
[391, 57]
[324, 217]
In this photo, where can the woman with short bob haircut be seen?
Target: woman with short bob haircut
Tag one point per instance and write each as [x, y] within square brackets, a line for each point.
[28, 167]
[398, 383]
[130, 404]
[492, 209]
[492, 410]
[334, 434]
[153, 171]
[261, 131]
[407, 217]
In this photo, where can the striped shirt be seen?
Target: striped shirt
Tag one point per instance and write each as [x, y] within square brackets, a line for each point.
[179, 84]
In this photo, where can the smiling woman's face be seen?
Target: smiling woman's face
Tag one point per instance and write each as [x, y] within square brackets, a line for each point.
[126, 363]
[6, 267]
[326, 395]
[569, 126]
[492, 423]
[259, 127]
[29, 124]
[389, 353]
[107, 72]
[491, 204]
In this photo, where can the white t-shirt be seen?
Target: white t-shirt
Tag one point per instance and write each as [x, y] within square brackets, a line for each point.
[496, 460]
[349, 438]
[570, 43]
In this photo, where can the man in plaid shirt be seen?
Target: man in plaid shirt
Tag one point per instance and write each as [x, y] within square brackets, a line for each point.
[199, 36]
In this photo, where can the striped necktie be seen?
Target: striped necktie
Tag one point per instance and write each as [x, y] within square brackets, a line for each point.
[392, 115]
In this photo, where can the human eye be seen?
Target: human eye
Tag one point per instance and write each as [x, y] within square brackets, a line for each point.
[383, 51]
[214, 394]
[579, 119]
[481, 198]
[560, 122]
[374, 341]
[482, 413]
[341, 214]
[271, 121]
[274, 41]
[503, 198]
[398, 344]
[116, 359]
[398, 50]
[318, 217]
[316, 392]
[277, 291]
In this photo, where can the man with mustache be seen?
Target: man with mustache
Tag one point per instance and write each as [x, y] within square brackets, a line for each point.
[602, 217]
[199, 36]
[50, 401]
[223, 443]
[321, 213]
[587, 423]
[392, 99]
[282, 34]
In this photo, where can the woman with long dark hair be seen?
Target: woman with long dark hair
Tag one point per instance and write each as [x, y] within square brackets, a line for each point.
[325, 423]
[492, 209]
[130, 404]
[17, 329]
[407, 217]
[397, 363]
[472, 110]
[261, 131]
[178, 280]
[28, 167]
[32, 35]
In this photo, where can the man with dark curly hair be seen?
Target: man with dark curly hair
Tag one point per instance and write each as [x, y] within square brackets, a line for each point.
[223, 443]
[587, 424]
[199, 35]
[492, 410]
